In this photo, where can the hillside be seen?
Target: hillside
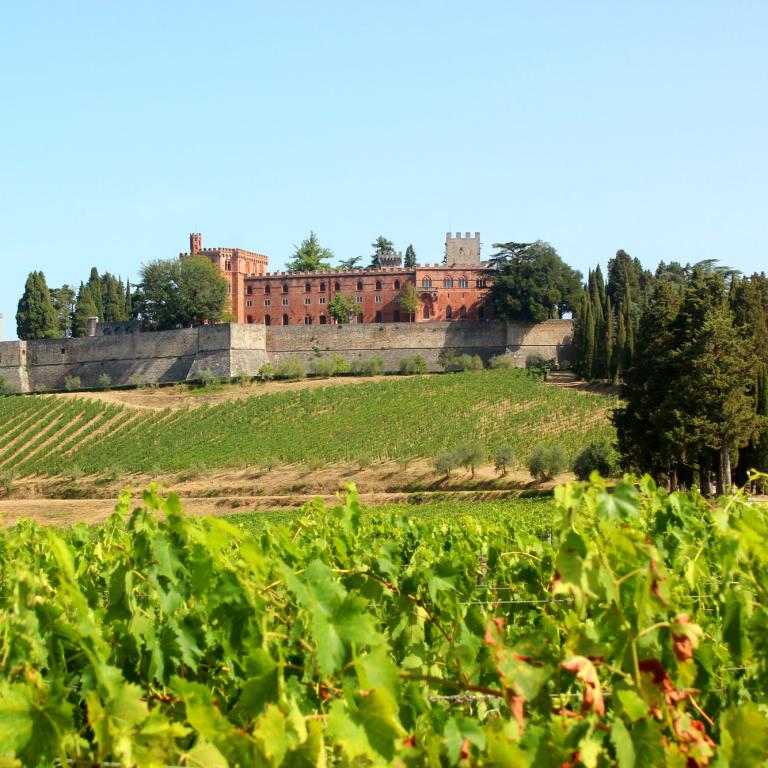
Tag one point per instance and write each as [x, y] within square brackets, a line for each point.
[389, 419]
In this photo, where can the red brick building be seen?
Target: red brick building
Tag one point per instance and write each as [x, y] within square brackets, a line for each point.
[454, 290]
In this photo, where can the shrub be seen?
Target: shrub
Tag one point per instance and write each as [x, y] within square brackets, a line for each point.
[373, 366]
[502, 361]
[322, 366]
[340, 365]
[537, 365]
[6, 387]
[206, 378]
[409, 366]
[267, 372]
[445, 463]
[546, 461]
[600, 456]
[71, 383]
[242, 378]
[137, 380]
[291, 369]
[105, 380]
[450, 360]
[469, 455]
[471, 363]
[503, 458]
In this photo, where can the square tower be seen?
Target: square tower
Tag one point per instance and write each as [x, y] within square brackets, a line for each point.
[462, 250]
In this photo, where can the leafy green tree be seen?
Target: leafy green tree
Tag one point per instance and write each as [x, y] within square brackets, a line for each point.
[85, 307]
[599, 456]
[503, 458]
[409, 300]
[349, 264]
[310, 256]
[469, 455]
[343, 309]
[533, 283]
[176, 293]
[36, 316]
[113, 299]
[64, 302]
[380, 246]
[546, 461]
[409, 261]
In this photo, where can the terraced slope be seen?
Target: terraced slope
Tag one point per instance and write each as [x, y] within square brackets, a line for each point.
[390, 419]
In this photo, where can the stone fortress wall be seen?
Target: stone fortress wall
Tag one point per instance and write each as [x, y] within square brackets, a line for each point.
[230, 349]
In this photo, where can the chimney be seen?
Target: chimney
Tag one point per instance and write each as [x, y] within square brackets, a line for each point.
[195, 243]
[92, 323]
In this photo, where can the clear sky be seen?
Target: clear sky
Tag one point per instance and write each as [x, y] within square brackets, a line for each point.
[592, 125]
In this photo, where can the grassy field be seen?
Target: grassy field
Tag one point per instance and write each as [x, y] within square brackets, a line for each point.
[392, 419]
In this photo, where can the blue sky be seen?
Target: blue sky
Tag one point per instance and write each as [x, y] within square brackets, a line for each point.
[592, 125]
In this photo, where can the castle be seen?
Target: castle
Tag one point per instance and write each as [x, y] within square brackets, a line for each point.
[284, 316]
[454, 290]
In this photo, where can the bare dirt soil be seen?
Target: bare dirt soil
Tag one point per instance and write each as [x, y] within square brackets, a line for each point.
[65, 501]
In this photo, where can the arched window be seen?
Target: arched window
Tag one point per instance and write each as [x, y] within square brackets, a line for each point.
[397, 285]
[322, 287]
[267, 320]
[359, 285]
[426, 312]
[249, 290]
[448, 312]
[396, 315]
[285, 287]
[337, 286]
[378, 285]
[267, 289]
[463, 282]
[285, 319]
[426, 282]
[249, 319]
[323, 319]
[463, 312]
[481, 313]
[378, 315]
[448, 283]
[307, 287]
[308, 320]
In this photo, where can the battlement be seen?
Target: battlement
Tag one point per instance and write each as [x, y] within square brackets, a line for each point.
[465, 236]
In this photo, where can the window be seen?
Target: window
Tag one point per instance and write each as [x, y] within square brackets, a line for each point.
[285, 302]
[426, 312]
[323, 319]
[337, 286]
[249, 303]
[359, 285]
[307, 301]
[378, 299]
[322, 287]
[285, 287]
[228, 266]
[396, 316]
[448, 312]
[249, 290]
[426, 282]
[463, 312]
[359, 299]
[267, 302]
[267, 289]
[397, 285]
[321, 300]
[378, 315]
[481, 313]
[285, 319]
[463, 282]
[378, 285]
[481, 283]
[308, 320]
[267, 320]
[307, 287]
[249, 319]
[447, 283]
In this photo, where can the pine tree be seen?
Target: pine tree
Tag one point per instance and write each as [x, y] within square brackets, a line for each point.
[409, 262]
[85, 307]
[380, 246]
[36, 316]
[95, 288]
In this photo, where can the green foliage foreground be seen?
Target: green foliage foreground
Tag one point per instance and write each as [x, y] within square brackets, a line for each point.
[637, 637]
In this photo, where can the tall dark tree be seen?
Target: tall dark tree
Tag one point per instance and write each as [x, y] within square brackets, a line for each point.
[85, 307]
[380, 246]
[64, 302]
[128, 301]
[533, 283]
[409, 261]
[113, 299]
[36, 316]
[95, 287]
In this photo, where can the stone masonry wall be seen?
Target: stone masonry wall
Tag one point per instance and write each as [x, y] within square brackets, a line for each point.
[227, 350]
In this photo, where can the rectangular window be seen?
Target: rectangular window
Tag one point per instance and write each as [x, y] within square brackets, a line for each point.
[249, 290]
[359, 299]
[267, 302]
[285, 302]
[378, 299]
[322, 299]
[307, 301]
[249, 303]
[481, 283]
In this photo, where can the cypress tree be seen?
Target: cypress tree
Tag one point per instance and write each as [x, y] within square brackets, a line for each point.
[409, 261]
[114, 301]
[128, 302]
[610, 369]
[36, 316]
[85, 307]
[96, 291]
[620, 346]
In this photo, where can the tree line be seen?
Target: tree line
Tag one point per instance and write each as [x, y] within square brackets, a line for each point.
[310, 256]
